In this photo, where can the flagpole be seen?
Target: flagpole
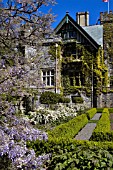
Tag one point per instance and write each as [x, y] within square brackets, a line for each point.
[108, 6]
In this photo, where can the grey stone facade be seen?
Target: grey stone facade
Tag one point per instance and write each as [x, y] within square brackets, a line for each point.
[44, 62]
[105, 100]
[93, 35]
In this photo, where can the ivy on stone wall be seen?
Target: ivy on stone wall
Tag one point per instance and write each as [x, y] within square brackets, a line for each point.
[53, 51]
[84, 64]
[108, 45]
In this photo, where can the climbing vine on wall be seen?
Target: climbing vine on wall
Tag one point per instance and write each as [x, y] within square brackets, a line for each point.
[108, 44]
[91, 67]
[53, 51]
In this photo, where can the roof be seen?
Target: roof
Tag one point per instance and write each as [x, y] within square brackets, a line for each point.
[67, 18]
[96, 32]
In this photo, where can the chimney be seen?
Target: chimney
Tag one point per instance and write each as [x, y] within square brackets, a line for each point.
[82, 18]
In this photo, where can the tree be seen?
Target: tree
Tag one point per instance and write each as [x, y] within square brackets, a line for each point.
[19, 16]
[21, 24]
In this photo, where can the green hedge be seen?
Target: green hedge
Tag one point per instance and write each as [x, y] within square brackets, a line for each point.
[64, 100]
[69, 129]
[99, 110]
[82, 159]
[110, 110]
[90, 113]
[68, 154]
[102, 130]
[67, 144]
[49, 97]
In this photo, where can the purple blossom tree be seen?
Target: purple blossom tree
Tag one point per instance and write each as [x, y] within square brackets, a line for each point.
[22, 24]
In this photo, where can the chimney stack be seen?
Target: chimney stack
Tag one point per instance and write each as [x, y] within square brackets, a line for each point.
[82, 18]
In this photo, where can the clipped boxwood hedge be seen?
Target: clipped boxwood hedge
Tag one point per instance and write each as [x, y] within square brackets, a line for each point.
[110, 110]
[72, 154]
[90, 113]
[69, 129]
[67, 144]
[102, 130]
[99, 110]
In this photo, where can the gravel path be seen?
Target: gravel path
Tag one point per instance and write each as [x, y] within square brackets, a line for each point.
[96, 116]
[86, 132]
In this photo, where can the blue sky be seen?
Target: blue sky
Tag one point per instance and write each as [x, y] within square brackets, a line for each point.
[73, 6]
[93, 6]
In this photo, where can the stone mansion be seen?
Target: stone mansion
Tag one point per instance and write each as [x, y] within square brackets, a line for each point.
[78, 60]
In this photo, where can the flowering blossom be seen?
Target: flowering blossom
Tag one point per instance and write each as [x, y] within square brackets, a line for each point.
[14, 132]
[48, 115]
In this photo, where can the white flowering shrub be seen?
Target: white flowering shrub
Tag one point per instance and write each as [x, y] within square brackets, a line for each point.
[46, 115]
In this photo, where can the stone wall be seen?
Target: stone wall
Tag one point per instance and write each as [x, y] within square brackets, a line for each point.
[105, 100]
[43, 61]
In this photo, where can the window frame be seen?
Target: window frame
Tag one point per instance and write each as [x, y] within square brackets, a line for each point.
[48, 78]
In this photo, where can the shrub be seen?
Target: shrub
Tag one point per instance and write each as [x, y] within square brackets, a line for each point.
[99, 110]
[102, 130]
[53, 98]
[67, 151]
[110, 110]
[49, 98]
[64, 100]
[62, 145]
[76, 99]
[27, 104]
[90, 113]
[83, 159]
[69, 129]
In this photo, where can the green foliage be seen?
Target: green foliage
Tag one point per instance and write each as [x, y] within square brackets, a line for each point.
[6, 164]
[110, 110]
[49, 98]
[90, 113]
[99, 110]
[77, 99]
[66, 145]
[52, 98]
[27, 104]
[69, 129]
[82, 159]
[83, 64]
[102, 130]
[73, 153]
[55, 50]
[64, 100]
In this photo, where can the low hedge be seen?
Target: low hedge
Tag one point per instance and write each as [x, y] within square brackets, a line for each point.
[90, 113]
[74, 154]
[99, 110]
[110, 110]
[102, 130]
[69, 129]
[67, 145]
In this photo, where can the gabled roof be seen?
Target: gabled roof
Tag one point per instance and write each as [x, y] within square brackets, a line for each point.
[96, 32]
[67, 18]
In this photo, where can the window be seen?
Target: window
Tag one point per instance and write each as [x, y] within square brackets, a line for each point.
[48, 78]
